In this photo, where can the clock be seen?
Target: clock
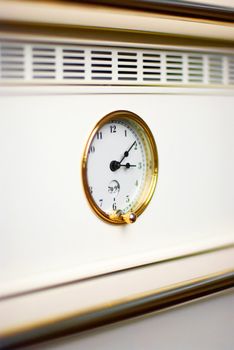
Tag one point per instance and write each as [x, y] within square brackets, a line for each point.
[120, 167]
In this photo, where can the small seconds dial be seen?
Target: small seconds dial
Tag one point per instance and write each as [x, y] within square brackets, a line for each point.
[120, 167]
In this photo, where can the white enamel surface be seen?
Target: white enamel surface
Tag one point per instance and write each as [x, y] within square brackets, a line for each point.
[116, 190]
[55, 303]
[48, 231]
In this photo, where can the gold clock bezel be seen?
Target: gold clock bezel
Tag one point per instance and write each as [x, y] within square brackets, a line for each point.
[150, 184]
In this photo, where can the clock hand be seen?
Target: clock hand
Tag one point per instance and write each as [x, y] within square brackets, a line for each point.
[128, 165]
[126, 153]
[115, 165]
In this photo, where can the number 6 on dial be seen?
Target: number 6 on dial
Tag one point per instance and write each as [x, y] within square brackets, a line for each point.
[120, 167]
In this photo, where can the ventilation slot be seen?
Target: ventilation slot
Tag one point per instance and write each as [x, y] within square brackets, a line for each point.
[127, 66]
[12, 62]
[43, 62]
[73, 64]
[151, 67]
[231, 70]
[195, 69]
[215, 70]
[101, 65]
[174, 68]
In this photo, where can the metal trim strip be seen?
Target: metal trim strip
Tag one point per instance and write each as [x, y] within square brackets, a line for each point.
[120, 310]
[80, 15]
[169, 7]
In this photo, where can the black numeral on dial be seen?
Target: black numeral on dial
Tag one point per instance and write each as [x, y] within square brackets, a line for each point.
[112, 129]
[92, 149]
[99, 135]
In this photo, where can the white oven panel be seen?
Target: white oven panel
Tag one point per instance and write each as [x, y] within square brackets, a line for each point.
[47, 227]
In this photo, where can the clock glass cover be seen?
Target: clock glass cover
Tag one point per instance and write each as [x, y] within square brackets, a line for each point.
[120, 167]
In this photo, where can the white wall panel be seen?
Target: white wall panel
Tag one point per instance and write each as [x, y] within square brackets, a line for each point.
[47, 227]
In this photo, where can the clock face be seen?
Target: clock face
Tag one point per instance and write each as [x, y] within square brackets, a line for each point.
[120, 167]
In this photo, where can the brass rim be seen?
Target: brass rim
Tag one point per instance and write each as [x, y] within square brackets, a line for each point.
[149, 186]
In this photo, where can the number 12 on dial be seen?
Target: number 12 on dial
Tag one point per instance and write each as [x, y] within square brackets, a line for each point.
[120, 167]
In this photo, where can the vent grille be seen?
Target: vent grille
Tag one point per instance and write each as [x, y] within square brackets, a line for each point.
[101, 65]
[195, 69]
[151, 67]
[68, 63]
[12, 62]
[127, 66]
[231, 70]
[174, 68]
[43, 62]
[73, 63]
[215, 70]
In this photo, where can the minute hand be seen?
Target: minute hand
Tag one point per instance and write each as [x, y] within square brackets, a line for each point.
[126, 153]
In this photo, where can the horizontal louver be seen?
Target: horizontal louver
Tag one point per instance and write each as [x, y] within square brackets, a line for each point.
[195, 69]
[174, 68]
[127, 66]
[66, 63]
[12, 62]
[215, 70]
[231, 70]
[43, 62]
[73, 63]
[101, 65]
[151, 67]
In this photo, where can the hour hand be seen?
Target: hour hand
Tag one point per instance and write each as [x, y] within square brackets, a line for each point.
[114, 165]
[128, 165]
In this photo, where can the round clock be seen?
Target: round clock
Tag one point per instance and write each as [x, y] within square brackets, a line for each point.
[120, 167]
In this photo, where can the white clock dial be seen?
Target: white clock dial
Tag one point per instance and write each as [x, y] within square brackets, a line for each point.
[118, 164]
